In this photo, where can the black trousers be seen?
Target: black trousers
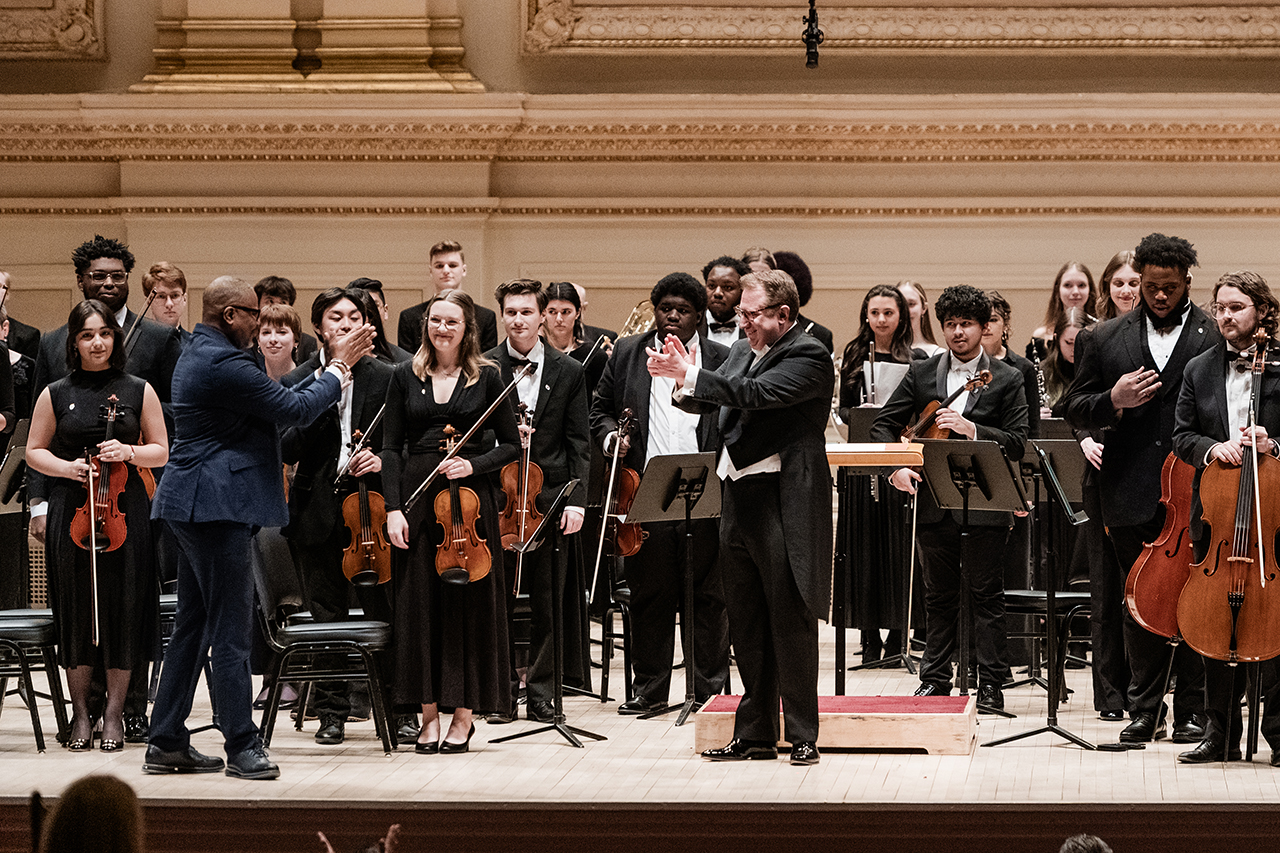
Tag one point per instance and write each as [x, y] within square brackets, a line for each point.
[1107, 609]
[1148, 653]
[775, 637]
[656, 578]
[1224, 688]
[984, 563]
[328, 595]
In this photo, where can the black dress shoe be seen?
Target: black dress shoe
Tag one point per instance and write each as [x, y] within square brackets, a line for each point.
[928, 689]
[252, 763]
[503, 717]
[743, 750]
[430, 748]
[1111, 716]
[1275, 758]
[332, 730]
[1190, 730]
[179, 761]
[407, 728]
[805, 752]
[540, 711]
[636, 707]
[1208, 752]
[450, 748]
[991, 696]
[136, 728]
[1144, 728]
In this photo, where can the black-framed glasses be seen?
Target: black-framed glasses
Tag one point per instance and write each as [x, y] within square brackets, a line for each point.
[102, 277]
[251, 311]
[751, 316]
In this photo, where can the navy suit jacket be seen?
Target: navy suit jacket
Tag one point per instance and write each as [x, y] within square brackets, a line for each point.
[225, 463]
[1139, 440]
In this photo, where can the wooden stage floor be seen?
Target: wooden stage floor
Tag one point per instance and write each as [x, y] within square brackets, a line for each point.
[644, 788]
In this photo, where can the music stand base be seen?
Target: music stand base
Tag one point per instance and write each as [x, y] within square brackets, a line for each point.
[1052, 728]
[689, 706]
[994, 712]
[566, 731]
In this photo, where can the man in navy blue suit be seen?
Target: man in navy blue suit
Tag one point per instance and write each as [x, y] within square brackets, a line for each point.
[222, 481]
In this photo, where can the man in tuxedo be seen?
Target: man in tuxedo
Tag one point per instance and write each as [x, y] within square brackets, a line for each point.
[222, 481]
[554, 397]
[994, 412]
[772, 399]
[1128, 380]
[102, 268]
[656, 573]
[317, 533]
[448, 269]
[169, 284]
[723, 280]
[1212, 425]
[276, 290]
[22, 338]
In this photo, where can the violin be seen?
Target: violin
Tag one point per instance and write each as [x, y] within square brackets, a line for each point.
[522, 483]
[624, 538]
[1230, 608]
[462, 556]
[925, 427]
[99, 525]
[1159, 574]
[366, 561]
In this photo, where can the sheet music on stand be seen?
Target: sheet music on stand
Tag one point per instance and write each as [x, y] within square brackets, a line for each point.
[888, 375]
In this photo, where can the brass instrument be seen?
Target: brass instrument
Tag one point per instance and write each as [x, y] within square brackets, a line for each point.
[641, 320]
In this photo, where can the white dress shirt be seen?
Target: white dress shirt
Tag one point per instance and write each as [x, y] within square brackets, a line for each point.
[958, 375]
[527, 389]
[671, 430]
[1162, 344]
[726, 337]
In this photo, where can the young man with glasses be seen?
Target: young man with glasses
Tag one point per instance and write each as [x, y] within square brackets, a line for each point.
[1128, 379]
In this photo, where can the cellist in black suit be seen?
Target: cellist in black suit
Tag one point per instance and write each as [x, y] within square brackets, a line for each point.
[1127, 381]
[317, 533]
[556, 397]
[1213, 424]
[656, 573]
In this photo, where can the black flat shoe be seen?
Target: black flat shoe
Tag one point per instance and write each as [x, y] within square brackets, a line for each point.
[1144, 728]
[81, 744]
[1111, 716]
[428, 748]
[450, 748]
[1190, 730]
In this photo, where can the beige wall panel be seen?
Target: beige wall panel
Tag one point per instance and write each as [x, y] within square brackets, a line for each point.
[58, 180]
[203, 178]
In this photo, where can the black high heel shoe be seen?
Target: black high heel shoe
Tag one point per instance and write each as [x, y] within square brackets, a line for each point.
[107, 744]
[428, 748]
[447, 748]
[80, 744]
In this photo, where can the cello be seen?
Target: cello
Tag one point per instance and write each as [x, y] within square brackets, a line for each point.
[462, 556]
[366, 561]
[1230, 608]
[1158, 575]
[522, 483]
[625, 538]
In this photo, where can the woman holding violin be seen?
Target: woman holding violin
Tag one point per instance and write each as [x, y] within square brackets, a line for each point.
[451, 638]
[1213, 431]
[99, 417]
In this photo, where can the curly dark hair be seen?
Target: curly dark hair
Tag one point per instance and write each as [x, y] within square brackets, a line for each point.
[794, 266]
[683, 285]
[1173, 253]
[736, 264]
[963, 302]
[101, 247]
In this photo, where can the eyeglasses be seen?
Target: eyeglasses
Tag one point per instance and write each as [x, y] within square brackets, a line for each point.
[246, 309]
[115, 277]
[1219, 308]
[443, 323]
[752, 316]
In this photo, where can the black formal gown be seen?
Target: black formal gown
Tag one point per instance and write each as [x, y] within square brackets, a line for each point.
[127, 591]
[451, 640]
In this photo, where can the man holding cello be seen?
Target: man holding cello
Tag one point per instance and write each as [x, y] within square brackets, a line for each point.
[1213, 426]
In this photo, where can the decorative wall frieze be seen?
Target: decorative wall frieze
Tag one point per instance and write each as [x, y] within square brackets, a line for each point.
[53, 29]
[583, 26]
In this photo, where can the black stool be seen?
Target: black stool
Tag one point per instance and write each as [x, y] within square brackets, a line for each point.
[27, 643]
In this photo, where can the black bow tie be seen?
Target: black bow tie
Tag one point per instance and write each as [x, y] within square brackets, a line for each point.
[1241, 361]
[727, 326]
[1170, 320]
[521, 362]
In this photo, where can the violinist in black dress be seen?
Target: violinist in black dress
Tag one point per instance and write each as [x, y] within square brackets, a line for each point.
[451, 639]
[70, 421]
[1213, 425]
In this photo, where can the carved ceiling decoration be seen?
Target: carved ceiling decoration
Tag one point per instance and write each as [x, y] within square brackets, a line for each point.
[583, 26]
[51, 29]
[524, 139]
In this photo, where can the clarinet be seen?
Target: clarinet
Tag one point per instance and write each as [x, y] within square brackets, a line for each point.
[1044, 394]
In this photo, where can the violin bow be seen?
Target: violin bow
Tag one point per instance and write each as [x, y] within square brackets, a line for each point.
[527, 370]
[137, 321]
[593, 349]
[1260, 358]
[364, 439]
[604, 522]
[93, 550]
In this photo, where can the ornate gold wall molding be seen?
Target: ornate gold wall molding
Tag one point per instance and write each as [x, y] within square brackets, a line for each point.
[54, 29]
[581, 26]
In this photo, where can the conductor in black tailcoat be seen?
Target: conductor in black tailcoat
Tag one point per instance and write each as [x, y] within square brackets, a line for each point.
[448, 269]
[996, 412]
[555, 395]
[773, 398]
[1128, 380]
[1212, 424]
[317, 532]
[656, 573]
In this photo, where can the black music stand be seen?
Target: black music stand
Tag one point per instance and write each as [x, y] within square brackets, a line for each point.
[1055, 428]
[11, 469]
[550, 527]
[672, 488]
[1056, 494]
[953, 470]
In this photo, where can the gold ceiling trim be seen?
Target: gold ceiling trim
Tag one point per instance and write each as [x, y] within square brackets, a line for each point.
[53, 29]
